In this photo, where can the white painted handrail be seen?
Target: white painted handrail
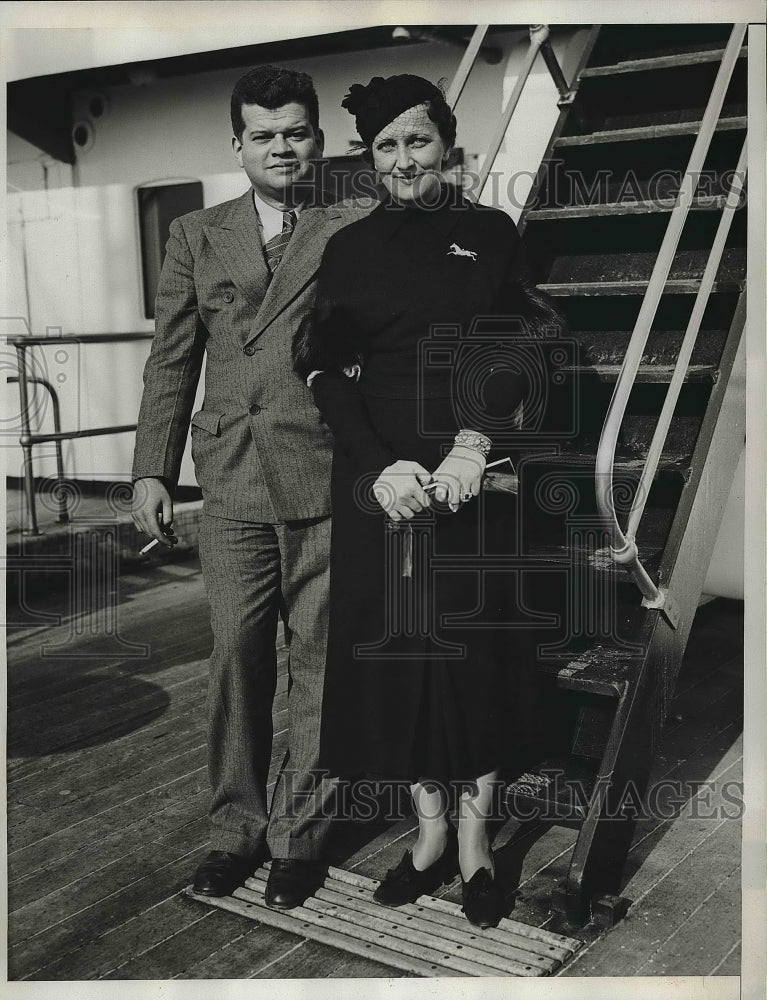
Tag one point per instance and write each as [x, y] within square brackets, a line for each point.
[466, 65]
[539, 41]
[624, 549]
[688, 344]
[539, 35]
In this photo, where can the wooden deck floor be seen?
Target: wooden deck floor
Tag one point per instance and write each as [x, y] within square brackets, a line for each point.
[107, 793]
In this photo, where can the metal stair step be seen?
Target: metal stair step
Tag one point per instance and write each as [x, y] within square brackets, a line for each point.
[637, 265]
[646, 373]
[600, 669]
[543, 477]
[626, 207]
[652, 63]
[668, 116]
[608, 347]
[645, 132]
[671, 465]
[554, 788]
[688, 286]
[638, 428]
[645, 41]
[597, 560]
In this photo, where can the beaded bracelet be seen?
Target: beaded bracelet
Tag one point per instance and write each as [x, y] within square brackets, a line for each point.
[474, 440]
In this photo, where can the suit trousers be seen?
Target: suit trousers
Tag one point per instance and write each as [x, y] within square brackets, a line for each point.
[251, 572]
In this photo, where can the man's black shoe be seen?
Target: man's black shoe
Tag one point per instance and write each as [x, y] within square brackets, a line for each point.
[221, 873]
[290, 882]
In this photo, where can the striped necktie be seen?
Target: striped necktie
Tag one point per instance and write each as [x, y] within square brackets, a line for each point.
[275, 247]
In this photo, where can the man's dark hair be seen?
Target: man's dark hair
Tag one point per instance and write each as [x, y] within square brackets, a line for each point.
[272, 87]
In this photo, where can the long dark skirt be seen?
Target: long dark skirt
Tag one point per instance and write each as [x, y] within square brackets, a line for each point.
[429, 673]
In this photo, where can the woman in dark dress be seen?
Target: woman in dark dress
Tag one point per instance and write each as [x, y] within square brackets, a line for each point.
[422, 665]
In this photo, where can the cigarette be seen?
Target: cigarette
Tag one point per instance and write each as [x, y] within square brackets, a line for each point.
[146, 548]
[490, 465]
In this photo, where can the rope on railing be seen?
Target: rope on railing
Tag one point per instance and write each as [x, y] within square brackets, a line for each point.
[623, 549]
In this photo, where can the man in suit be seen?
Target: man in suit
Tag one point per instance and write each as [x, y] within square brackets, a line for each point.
[236, 283]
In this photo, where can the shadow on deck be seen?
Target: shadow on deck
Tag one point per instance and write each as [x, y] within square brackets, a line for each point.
[107, 793]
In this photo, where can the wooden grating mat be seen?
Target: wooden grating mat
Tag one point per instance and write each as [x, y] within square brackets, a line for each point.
[430, 937]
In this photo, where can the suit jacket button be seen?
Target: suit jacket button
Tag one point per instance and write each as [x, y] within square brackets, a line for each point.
[250, 350]
[254, 409]
[228, 296]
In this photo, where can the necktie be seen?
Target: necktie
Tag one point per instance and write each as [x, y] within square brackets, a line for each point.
[275, 247]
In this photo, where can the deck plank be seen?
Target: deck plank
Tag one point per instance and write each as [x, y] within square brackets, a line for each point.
[75, 784]
[133, 793]
[672, 882]
[96, 874]
[242, 956]
[704, 938]
[118, 746]
[66, 813]
[103, 954]
[92, 828]
[176, 825]
[730, 964]
[313, 960]
[172, 955]
[66, 936]
[654, 918]
[56, 907]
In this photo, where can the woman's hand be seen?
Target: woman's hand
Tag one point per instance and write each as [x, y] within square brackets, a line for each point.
[399, 489]
[459, 477]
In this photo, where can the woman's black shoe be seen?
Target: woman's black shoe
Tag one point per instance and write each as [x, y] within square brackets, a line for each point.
[482, 899]
[404, 884]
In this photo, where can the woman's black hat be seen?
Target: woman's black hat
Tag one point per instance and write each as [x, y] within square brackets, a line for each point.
[384, 99]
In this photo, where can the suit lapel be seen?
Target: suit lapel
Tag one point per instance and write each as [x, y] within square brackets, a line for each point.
[237, 241]
[302, 257]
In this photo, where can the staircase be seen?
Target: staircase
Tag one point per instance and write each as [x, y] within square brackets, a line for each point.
[593, 226]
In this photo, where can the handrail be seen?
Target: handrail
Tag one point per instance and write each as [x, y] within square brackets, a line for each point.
[466, 65]
[686, 349]
[624, 549]
[539, 33]
[539, 41]
[29, 439]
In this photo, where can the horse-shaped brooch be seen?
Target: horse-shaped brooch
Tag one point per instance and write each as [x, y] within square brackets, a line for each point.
[456, 251]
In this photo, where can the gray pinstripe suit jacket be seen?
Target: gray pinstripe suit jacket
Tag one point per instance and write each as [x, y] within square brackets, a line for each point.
[260, 450]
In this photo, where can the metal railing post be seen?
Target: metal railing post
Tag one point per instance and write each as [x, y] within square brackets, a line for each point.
[566, 93]
[63, 513]
[26, 441]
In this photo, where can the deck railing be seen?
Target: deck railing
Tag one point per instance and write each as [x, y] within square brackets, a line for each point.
[623, 546]
[29, 438]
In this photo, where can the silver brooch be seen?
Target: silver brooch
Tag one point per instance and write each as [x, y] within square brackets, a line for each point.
[456, 251]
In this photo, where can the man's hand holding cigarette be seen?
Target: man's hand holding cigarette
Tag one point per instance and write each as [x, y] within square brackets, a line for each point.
[152, 512]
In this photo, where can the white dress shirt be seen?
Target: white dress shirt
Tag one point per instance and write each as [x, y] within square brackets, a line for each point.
[271, 218]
